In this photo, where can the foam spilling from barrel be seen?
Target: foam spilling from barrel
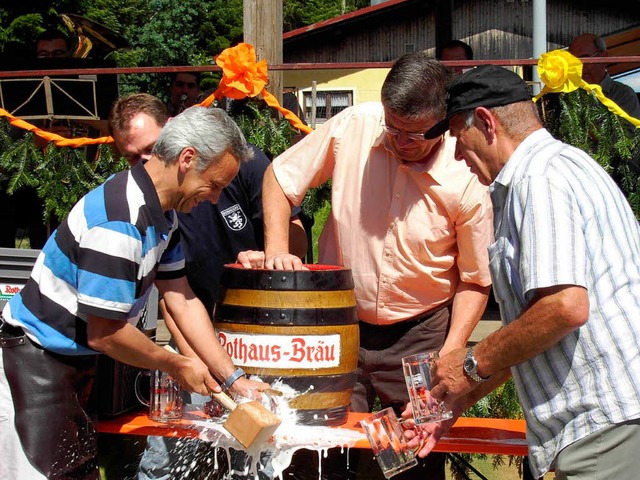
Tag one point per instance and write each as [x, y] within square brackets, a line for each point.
[273, 456]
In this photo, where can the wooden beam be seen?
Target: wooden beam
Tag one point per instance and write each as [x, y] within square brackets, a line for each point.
[263, 30]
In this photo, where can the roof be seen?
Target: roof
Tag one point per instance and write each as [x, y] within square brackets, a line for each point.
[379, 9]
[622, 44]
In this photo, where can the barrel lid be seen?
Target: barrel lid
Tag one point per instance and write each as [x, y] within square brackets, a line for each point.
[317, 277]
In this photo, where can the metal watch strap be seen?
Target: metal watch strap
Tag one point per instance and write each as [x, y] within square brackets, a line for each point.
[232, 378]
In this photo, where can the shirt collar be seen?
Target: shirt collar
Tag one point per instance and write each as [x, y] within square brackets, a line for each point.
[507, 173]
[151, 199]
[439, 161]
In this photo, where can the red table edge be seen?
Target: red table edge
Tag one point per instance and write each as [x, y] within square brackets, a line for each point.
[492, 436]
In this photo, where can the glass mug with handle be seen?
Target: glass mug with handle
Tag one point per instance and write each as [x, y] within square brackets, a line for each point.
[417, 374]
[384, 432]
[165, 399]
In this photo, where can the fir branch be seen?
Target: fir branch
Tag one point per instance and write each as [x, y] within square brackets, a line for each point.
[579, 119]
[61, 176]
[19, 162]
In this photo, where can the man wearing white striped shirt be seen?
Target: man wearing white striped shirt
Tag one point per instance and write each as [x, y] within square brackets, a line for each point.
[565, 267]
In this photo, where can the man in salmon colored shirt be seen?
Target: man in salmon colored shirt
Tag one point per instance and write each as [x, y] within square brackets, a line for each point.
[411, 223]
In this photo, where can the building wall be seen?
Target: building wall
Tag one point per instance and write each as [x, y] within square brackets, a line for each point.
[380, 37]
[503, 28]
[494, 29]
[364, 84]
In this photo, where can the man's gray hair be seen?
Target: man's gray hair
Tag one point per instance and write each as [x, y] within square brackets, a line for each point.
[210, 131]
[416, 87]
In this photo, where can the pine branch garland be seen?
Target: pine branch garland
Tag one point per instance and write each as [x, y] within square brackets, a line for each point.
[579, 119]
[61, 176]
[19, 162]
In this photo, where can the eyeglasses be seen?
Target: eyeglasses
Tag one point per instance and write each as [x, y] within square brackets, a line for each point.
[181, 84]
[416, 137]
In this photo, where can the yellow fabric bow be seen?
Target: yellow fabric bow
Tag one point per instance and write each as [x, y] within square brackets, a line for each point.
[561, 72]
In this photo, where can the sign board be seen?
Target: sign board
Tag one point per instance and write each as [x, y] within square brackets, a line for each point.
[281, 351]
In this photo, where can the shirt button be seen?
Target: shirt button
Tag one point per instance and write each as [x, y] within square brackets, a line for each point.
[397, 195]
[382, 305]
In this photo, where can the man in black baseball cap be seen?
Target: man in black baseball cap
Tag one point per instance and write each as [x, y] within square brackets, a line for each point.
[484, 86]
[566, 274]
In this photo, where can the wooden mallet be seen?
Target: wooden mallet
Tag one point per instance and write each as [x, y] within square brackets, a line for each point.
[248, 422]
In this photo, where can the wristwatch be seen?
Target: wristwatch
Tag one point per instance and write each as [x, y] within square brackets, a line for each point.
[470, 366]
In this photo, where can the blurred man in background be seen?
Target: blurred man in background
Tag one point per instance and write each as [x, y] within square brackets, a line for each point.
[589, 45]
[183, 91]
[455, 50]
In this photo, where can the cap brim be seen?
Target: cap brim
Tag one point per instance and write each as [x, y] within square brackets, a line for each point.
[437, 130]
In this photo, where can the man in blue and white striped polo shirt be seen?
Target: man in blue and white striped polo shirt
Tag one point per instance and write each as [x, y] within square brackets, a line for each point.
[87, 291]
[566, 272]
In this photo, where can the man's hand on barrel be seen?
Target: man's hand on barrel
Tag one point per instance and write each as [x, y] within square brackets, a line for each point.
[284, 261]
[276, 261]
[251, 259]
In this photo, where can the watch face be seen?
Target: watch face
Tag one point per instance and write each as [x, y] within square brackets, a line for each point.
[469, 365]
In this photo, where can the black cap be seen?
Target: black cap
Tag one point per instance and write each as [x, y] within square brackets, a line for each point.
[483, 86]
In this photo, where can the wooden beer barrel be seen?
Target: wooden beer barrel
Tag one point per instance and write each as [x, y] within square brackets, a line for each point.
[297, 326]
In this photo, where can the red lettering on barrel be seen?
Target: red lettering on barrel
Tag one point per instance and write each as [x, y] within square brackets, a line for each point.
[276, 353]
[298, 350]
[222, 338]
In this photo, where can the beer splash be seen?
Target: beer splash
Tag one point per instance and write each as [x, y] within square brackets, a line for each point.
[271, 458]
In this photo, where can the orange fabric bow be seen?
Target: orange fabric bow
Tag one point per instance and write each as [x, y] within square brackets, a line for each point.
[243, 77]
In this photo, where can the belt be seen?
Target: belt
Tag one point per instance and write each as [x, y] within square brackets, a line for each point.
[409, 322]
[11, 336]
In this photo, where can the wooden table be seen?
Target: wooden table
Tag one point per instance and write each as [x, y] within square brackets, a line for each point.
[468, 435]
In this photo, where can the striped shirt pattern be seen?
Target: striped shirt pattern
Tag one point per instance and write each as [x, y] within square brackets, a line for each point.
[101, 261]
[560, 220]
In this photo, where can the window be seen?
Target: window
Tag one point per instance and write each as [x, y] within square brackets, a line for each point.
[328, 104]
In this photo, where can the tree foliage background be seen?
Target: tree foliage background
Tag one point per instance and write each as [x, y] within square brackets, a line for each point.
[161, 32]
